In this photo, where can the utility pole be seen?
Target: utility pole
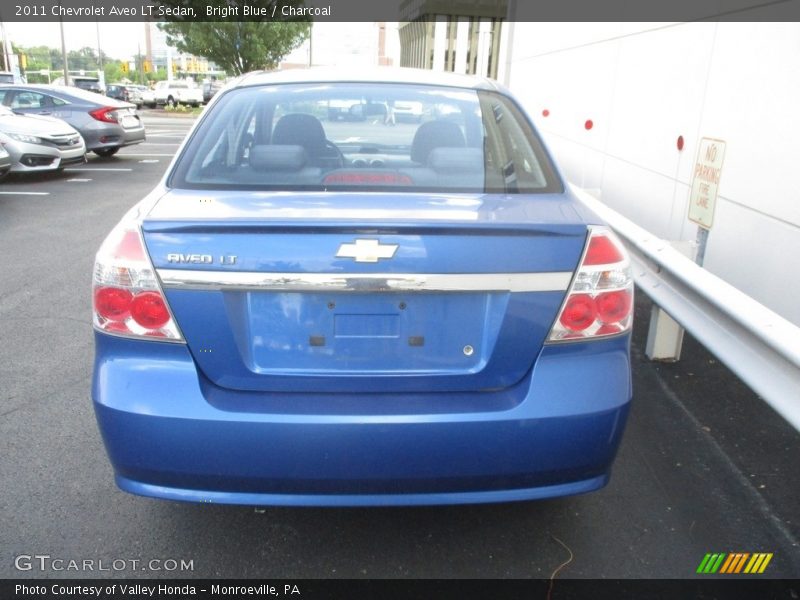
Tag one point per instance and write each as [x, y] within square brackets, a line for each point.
[63, 46]
[6, 45]
[100, 72]
[141, 62]
[311, 46]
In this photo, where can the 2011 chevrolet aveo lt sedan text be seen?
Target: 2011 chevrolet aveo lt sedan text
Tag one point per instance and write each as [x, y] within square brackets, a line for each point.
[365, 311]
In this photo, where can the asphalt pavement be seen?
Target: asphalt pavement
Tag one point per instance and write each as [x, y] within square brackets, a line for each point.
[705, 465]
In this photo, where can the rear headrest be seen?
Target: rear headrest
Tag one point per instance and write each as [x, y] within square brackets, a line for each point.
[435, 134]
[277, 158]
[456, 160]
[301, 129]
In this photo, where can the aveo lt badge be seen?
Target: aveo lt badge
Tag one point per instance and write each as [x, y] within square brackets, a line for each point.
[366, 251]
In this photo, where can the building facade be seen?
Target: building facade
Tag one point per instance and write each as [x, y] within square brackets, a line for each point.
[461, 37]
[625, 108]
[162, 56]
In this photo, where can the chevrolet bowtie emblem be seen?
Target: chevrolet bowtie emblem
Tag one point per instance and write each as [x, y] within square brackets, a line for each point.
[369, 251]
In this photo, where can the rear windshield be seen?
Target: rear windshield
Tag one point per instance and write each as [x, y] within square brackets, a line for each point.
[365, 137]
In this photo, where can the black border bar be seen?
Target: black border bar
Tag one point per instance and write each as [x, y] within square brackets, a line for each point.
[733, 587]
[400, 10]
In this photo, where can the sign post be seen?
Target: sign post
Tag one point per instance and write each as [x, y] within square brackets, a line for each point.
[705, 186]
[665, 336]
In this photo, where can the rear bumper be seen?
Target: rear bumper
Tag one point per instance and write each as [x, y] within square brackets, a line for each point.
[349, 500]
[171, 434]
[108, 135]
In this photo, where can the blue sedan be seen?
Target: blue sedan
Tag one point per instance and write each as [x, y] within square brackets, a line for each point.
[310, 311]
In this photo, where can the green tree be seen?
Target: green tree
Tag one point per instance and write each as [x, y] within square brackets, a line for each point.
[84, 59]
[38, 58]
[113, 71]
[14, 50]
[236, 47]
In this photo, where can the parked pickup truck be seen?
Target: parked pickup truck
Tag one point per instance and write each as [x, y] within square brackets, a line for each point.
[170, 93]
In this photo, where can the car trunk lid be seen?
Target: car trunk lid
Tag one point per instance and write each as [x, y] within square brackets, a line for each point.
[364, 292]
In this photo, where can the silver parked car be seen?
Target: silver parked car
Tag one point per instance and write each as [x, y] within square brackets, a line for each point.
[37, 143]
[5, 162]
[105, 124]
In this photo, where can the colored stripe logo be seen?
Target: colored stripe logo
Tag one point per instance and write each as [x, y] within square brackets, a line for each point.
[734, 563]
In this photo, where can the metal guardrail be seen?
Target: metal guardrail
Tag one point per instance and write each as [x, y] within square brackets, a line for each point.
[757, 344]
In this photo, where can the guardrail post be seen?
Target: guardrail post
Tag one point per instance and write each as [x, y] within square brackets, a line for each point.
[665, 335]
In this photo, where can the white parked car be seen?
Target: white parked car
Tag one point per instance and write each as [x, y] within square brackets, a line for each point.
[170, 93]
[148, 97]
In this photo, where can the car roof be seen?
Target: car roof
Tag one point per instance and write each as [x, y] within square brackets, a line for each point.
[369, 75]
[75, 93]
[42, 87]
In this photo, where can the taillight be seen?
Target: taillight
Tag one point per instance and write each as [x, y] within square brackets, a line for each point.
[127, 298]
[600, 301]
[107, 114]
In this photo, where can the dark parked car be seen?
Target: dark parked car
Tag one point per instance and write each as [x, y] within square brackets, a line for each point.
[316, 312]
[125, 93]
[105, 124]
[210, 88]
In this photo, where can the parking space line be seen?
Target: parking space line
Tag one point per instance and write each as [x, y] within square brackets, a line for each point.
[150, 160]
[76, 180]
[25, 193]
[144, 154]
[160, 144]
[96, 169]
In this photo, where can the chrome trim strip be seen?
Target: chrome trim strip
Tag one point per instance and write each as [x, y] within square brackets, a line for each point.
[372, 282]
